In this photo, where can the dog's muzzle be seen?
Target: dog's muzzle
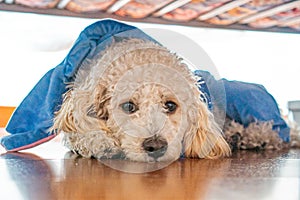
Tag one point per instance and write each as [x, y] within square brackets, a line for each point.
[155, 146]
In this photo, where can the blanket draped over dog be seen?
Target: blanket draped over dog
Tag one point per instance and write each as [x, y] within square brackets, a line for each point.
[30, 123]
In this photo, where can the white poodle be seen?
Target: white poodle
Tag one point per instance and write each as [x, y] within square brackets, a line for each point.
[138, 101]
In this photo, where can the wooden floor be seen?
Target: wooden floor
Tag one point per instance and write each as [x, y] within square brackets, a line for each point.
[51, 172]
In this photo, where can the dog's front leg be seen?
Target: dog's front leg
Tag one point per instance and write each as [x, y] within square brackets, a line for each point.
[93, 144]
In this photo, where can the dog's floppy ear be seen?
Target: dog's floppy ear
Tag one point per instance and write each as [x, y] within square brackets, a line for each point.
[98, 109]
[82, 111]
[205, 139]
[64, 119]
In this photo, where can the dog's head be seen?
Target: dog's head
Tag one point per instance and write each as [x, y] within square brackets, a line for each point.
[144, 100]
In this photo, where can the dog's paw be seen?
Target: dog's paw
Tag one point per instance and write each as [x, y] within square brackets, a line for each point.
[93, 144]
[114, 154]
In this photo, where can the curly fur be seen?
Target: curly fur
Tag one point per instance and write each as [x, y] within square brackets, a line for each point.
[148, 74]
[258, 135]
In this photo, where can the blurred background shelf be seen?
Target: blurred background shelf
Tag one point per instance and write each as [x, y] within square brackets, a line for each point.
[257, 15]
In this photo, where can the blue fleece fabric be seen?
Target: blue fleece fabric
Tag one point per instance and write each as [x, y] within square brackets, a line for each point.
[33, 117]
[246, 103]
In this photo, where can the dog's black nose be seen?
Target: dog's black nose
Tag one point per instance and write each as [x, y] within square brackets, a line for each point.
[155, 146]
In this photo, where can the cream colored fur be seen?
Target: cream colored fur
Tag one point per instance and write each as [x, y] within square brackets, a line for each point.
[259, 135]
[148, 75]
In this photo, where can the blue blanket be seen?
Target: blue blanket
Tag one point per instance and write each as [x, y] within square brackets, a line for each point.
[246, 103]
[30, 123]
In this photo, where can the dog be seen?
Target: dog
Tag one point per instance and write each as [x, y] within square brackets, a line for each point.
[138, 101]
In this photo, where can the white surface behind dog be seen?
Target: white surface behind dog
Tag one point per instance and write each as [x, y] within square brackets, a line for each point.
[32, 44]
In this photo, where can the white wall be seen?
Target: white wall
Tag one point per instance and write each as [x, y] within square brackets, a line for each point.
[32, 44]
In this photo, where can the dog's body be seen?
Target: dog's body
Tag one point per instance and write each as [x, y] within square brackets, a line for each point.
[139, 100]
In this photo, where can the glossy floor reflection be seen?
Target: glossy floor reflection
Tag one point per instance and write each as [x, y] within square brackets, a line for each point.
[51, 172]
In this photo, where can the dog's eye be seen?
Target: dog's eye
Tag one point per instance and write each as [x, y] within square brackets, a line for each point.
[129, 107]
[170, 106]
